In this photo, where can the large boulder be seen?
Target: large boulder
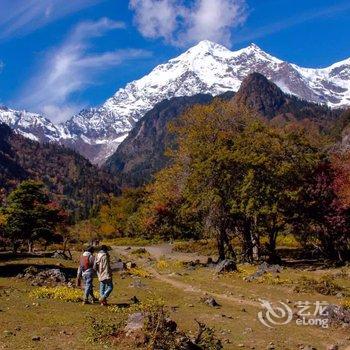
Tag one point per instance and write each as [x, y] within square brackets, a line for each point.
[227, 265]
[211, 302]
[134, 329]
[59, 254]
[262, 269]
[135, 334]
[337, 315]
[49, 277]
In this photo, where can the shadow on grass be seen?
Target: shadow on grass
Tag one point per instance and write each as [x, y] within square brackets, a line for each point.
[299, 258]
[12, 270]
[10, 256]
[120, 305]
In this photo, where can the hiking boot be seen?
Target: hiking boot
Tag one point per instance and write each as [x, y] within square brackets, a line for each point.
[95, 300]
[103, 302]
[86, 302]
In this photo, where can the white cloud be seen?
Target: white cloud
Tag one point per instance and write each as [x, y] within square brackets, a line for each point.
[182, 25]
[60, 113]
[214, 20]
[19, 17]
[69, 69]
[156, 19]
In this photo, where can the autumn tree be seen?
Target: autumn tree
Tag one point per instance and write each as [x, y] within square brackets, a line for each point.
[198, 185]
[116, 218]
[341, 167]
[3, 239]
[321, 219]
[237, 174]
[164, 212]
[275, 164]
[85, 231]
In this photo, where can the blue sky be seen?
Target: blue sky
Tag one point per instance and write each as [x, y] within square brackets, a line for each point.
[58, 56]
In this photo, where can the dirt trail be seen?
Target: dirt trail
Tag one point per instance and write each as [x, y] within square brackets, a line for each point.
[191, 289]
[165, 250]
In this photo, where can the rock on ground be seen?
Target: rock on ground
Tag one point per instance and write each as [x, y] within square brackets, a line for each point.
[58, 254]
[211, 302]
[137, 283]
[130, 265]
[227, 265]
[135, 333]
[135, 322]
[262, 269]
[337, 314]
[45, 277]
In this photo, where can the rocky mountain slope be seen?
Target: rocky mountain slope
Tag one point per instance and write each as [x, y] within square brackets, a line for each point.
[207, 68]
[141, 154]
[31, 125]
[71, 179]
[266, 98]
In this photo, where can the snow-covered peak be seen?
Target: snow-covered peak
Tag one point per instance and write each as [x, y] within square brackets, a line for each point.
[208, 68]
[207, 48]
[207, 45]
[343, 63]
[255, 47]
[31, 125]
[203, 48]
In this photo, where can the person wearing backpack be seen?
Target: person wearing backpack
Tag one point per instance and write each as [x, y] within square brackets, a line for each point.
[104, 273]
[86, 273]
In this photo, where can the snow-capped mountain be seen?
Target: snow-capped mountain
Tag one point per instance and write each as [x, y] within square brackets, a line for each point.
[31, 125]
[207, 68]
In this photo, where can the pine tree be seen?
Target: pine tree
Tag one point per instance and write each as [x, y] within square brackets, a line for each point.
[30, 215]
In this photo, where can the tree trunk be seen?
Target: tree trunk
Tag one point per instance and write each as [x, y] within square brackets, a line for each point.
[255, 239]
[230, 251]
[251, 243]
[327, 245]
[15, 246]
[30, 246]
[256, 247]
[225, 248]
[247, 243]
[65, 241]
[272, 242]
[272, 254]
[221, 247]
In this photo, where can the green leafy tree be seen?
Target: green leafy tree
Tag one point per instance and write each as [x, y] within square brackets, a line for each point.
[30, 215]
[237, 174]
[276, 164]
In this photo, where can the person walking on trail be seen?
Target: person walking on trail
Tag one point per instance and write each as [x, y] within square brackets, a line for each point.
[104, 273]
[86, 272]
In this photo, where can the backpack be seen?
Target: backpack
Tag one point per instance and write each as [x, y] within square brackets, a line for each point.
[86, 263]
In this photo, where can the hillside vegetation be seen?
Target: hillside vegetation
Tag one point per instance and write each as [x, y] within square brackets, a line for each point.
[73, 182]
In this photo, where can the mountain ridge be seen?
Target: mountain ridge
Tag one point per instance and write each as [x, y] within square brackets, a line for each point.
[76, 184]
[207, 68]
[141, 154]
